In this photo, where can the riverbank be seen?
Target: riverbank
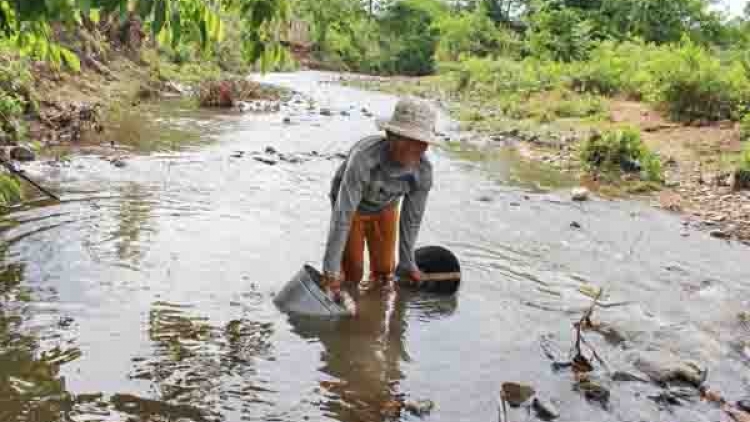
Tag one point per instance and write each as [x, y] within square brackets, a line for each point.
[698, 160]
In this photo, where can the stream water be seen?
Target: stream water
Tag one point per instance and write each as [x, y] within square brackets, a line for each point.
[146, 295]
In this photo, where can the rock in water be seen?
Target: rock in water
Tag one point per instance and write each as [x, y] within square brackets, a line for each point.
[516, 394]
[580, 194]
[326, 112]
[271, 150]
[20, 153]
[545, 409]
[419, 408]
[575, 225]
[287, 120]
[664, 367]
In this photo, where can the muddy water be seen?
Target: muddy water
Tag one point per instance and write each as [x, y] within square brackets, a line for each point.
[146, 294]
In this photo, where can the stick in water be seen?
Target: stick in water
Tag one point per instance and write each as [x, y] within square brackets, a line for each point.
[21, 174]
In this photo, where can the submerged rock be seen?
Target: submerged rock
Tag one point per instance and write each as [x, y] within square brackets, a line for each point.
[545, 409]
[21, 153]
[419, 408]
[580, 194]
[664, 367]
[516, 394]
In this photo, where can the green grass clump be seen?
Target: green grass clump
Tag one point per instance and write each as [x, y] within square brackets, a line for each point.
[620, 151]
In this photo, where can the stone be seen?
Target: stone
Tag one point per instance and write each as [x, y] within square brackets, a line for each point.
[271, 150]
[326, 112]
[419, 408]
[515, 204]
[720, 234]
[21, 153]
[580, 194]
[575, 225]
[740, 180]
[266, 160]
[544, 409]
[623, 376]
[664, 367]
[287, 120]
[344, 113]
[118, 163]
[515, 393]
[484, 198]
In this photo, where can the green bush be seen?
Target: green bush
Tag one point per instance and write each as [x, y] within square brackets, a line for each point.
[620, 150]
[612, 69]
[561, 35]
[693, 84]
[474, 34]
[10, 190]
[745, 128]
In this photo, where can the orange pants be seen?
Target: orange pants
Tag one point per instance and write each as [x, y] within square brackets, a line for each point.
[379, 231]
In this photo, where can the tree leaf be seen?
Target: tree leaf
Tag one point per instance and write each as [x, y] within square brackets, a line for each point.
[160, 16]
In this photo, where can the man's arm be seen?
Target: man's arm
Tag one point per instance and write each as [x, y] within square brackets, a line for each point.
[349, 196]
[412, 212]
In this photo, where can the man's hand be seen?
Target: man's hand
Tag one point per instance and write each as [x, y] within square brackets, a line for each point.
[332, 285]
[415, 277]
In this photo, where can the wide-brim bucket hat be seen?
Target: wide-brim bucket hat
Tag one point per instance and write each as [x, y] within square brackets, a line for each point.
[414, 119]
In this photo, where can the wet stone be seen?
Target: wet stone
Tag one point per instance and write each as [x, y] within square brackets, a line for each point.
[575, 225]
[580, 194]
[516, 394]
[664, 367]
[287, 120]
[20, 153]
[118, 163]
[720, 234]
[266, 160]
[271, 150]
[484, 198]
[326, 112]
[544, 409]
[419, 408]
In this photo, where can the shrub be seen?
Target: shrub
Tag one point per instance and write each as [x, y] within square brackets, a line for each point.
[745, 128]
[10, 190]
[474, 34]
[693, 84]
[620, 150]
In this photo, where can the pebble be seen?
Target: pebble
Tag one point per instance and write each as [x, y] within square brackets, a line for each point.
[516, 394]
[118, 163]
[271, 150]
[344, 113]
[419, 408]
[287, 120]
[545, 409]
[515, 204]
[266, 160]
[719, 234]
[580, 194]
[484, 198]
[20, 153]
[575, 225]
[664, 367]
[326, 112]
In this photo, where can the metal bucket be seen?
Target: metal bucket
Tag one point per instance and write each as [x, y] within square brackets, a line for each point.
[302, 295]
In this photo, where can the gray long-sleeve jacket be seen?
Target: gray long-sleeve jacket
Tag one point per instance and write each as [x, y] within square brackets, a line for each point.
[368, 182]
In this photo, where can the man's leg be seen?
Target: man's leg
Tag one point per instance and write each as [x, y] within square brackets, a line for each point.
[381, 234]
[354, 253]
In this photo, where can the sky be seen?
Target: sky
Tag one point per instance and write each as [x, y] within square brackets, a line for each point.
[735, 7]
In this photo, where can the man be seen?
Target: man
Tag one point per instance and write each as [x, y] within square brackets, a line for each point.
[365, 194]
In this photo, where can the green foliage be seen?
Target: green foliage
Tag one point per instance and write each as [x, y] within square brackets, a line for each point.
[693, 84]
[745, 128]
[474, 34]
[561, 35]
[414, 49]
[10, 190]
[620, 150]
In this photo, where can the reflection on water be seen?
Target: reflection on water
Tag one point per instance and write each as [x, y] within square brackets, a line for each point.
[31, 388]
[362, 357]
